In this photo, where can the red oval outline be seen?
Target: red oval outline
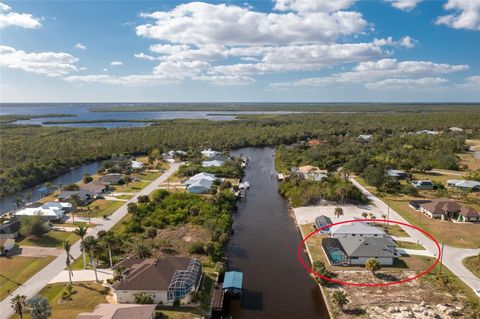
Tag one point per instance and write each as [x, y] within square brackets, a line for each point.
[302, 244]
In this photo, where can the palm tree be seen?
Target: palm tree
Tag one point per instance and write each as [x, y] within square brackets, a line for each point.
[81, 231]
[340, 298]
[67, 246]
[338, 212]
[39, 307]
[19, 303]
[90, 245]
[373, 265]
[109, 241]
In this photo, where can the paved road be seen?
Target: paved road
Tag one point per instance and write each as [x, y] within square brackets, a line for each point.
[452, 257]
[44, 276]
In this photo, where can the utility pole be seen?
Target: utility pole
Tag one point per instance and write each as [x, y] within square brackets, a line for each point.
[441, 258]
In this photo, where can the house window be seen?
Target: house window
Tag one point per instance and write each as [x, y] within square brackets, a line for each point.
[353, 235]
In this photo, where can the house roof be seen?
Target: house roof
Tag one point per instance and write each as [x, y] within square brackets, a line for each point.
[441, 206]
[356, 228]
[367, 247]
[110, 178]
[120, 311]
[310, 169]
[10, 227]
[468, 212]
[215, 163]
[50, 209]
[200, 176]
[467, 184]
[206, 183]
[454, 181]
[82, 194]
[95, 187]
[395, 172]
[365, 136]
[150, 274]
[233, 279]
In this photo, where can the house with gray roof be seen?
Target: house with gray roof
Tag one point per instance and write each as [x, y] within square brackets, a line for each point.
[356, 251]
[356, 229]
[465, 185]
[120, 311]
[397, 173]
[321, 222]
[10, 229]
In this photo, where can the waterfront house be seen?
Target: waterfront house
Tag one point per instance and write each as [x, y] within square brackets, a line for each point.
[111, 179]
[442, 208]
[465, 185]
[94, 188]
[356, 251]
[423, 185]
[356, 229]
[50, 210]
[310, 172]
[201, 186]
[120, 311]
[165, 280]
[209, 153]
[200, 176]
[323, 221]
[10, 229]
[212, 163]
[83, 196]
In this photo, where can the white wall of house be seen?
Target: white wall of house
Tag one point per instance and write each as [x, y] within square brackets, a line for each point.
[128, 296]
[384, 261]
[429, 214]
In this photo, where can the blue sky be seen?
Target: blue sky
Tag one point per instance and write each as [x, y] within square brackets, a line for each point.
[279, 50]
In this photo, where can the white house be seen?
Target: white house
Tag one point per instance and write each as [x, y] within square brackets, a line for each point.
[200, 176]
[50, 210]
[357, 229]
[213, 163]
[463, 184]
[165, 280]
[210, 153]
[137, 165]
[201, 186]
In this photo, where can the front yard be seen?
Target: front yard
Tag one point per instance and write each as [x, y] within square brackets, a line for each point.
[473, 264]
[132, 187]
[50, 239]
[16, 270]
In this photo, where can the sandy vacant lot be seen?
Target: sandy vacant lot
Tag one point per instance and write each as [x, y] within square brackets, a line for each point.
[307, 215]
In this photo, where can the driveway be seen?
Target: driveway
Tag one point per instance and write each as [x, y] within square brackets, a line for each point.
[452, 257]
[44, 276]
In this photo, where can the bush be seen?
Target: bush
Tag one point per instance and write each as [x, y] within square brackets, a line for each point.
[196, 248]
[142, 298]
[34, 225]
[176, 303]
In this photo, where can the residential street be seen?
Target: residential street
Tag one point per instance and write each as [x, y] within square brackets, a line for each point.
[47, 274]
[452, 257]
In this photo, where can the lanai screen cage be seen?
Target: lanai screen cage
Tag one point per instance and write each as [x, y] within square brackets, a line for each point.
[184, 281]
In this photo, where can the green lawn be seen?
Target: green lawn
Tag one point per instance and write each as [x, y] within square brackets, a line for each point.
[124, 196]
[132, 187]
[99, 208]
[473, 264]
[409, 245]
[148, 176]
[87, 295]
[75, 224]
[50, 239]
[16, 270]
[396, 230]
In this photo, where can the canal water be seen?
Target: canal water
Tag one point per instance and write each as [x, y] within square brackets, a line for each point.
[7, 203]
[264, 247]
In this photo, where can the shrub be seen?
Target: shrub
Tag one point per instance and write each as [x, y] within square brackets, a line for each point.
[196, 248]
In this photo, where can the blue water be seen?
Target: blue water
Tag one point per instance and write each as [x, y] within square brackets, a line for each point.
[82, 113]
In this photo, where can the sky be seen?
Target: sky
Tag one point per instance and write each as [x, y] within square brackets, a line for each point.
[238, 51]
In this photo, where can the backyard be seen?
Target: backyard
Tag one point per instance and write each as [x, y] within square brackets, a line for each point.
[16, 270]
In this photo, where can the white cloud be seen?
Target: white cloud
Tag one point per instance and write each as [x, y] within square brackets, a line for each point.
[199, 23]
[80, 46]
[405, 5]
[467, 15]
[408, 42]
[471, 83]
[23, 20]
[144, 56]
[385, 69]
[130, 80]
[313, 5]
[420, 83]
[226, 80]
[49, 63]
[116, 63]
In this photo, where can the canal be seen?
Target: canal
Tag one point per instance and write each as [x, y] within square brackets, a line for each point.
[264, 247]
[7, 203]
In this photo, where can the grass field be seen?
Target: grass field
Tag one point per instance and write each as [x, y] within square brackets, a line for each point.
[50, 239]
[124, 196]
[99, 208]
[16, 270]
[86, 297]
[148, 176]
[75, 224]
[409, 245]
[452, 234]
[132, 187]
[396, 231]
[473, 264]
